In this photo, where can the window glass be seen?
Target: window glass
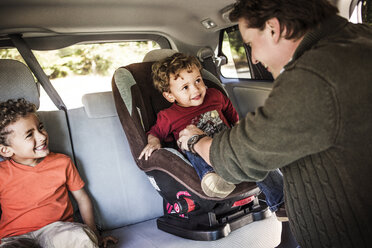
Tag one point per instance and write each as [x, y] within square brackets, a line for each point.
[367, 12]
[362, 12]
[84, 68]
[233, 48]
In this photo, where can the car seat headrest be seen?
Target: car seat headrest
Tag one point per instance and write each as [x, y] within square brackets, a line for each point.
[99, 105]
[16, 81]
[158, 54]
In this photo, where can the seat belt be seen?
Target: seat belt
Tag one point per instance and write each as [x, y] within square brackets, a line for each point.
[35, 67]
[206, 58]
[43, 79]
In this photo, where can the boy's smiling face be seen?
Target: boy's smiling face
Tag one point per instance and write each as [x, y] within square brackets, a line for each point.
[188, 89]
[27, 142]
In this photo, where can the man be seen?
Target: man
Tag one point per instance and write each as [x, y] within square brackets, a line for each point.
[315, 125]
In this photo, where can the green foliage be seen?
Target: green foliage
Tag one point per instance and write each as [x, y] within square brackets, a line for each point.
[10, 54]
[234, 41]
[236, 44]
[367, 12]
[100, 59]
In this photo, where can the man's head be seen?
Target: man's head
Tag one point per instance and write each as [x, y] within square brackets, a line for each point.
[178, 78]
[22, 136]
[296, 17]
[274, 28]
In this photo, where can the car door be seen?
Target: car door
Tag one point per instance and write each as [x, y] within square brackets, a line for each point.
[247, 84]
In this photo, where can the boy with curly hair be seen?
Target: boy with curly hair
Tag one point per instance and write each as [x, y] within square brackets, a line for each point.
[179, 79]
[34, 185]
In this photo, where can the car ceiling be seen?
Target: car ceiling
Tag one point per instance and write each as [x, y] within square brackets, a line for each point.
[175, 19]
[68, 20]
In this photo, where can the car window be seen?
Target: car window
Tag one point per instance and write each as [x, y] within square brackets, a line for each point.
[233, 49]
[361, 11]
[238, 54]
[84, 68]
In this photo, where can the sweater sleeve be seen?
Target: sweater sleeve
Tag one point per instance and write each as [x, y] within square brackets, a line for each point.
[299, 118]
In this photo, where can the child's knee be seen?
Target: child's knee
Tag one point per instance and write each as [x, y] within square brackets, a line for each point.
[68, 234]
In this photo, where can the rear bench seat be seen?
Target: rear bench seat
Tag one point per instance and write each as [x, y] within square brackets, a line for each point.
[126, 204]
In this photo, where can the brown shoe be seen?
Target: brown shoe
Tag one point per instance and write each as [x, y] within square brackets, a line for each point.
[215, 186]
[281, 214]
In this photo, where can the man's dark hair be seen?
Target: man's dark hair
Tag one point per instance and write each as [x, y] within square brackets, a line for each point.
[297, 16]
[10, 112]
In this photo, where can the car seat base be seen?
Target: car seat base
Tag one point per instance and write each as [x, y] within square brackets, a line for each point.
[225, 225]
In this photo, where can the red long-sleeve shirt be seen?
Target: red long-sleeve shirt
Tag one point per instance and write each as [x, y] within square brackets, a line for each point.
[214, 114]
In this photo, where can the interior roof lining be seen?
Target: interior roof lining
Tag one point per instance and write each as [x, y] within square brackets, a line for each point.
[60, 41]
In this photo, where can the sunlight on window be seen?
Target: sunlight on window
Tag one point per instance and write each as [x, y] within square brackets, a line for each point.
[84, 68]
[356, 15]
[228, 70]
[237, 63]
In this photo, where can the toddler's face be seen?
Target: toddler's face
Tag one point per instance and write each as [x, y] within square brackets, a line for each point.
[188, 89]
[28, 141]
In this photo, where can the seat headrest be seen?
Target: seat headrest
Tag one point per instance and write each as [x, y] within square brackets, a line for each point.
[158, 54]
[99, 105]
[16, 81]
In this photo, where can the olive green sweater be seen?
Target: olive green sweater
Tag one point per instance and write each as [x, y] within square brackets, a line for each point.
[316, 125]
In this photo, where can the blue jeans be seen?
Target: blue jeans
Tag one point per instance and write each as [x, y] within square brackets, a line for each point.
[201, 167]
[271, 186]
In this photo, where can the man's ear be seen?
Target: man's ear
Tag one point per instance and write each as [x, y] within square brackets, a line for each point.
[274, 27]
[169, 96]
[6, 151]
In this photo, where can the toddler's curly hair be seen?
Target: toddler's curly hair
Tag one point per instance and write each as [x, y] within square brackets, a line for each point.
[174, 64]
[10, 112]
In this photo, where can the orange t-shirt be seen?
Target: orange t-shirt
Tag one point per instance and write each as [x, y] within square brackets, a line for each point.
[33, 197]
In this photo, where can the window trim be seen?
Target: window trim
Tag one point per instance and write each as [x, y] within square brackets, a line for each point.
[258, 71]
[61, 41]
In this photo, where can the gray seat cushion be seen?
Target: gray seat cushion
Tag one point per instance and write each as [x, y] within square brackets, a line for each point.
[121, 193]
[260, 234]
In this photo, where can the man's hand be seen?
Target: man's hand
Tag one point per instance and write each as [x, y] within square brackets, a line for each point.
[153, 144]
[186, 134]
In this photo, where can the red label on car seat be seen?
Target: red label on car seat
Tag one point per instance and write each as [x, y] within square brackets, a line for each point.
[190, 204]
[243, 201]
[180, 193]
[176, 208]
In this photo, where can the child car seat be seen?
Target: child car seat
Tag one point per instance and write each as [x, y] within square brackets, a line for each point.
[188, 212]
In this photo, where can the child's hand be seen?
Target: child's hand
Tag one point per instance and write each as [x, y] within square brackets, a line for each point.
[148, 150]
[153, 144]
[104, 241]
